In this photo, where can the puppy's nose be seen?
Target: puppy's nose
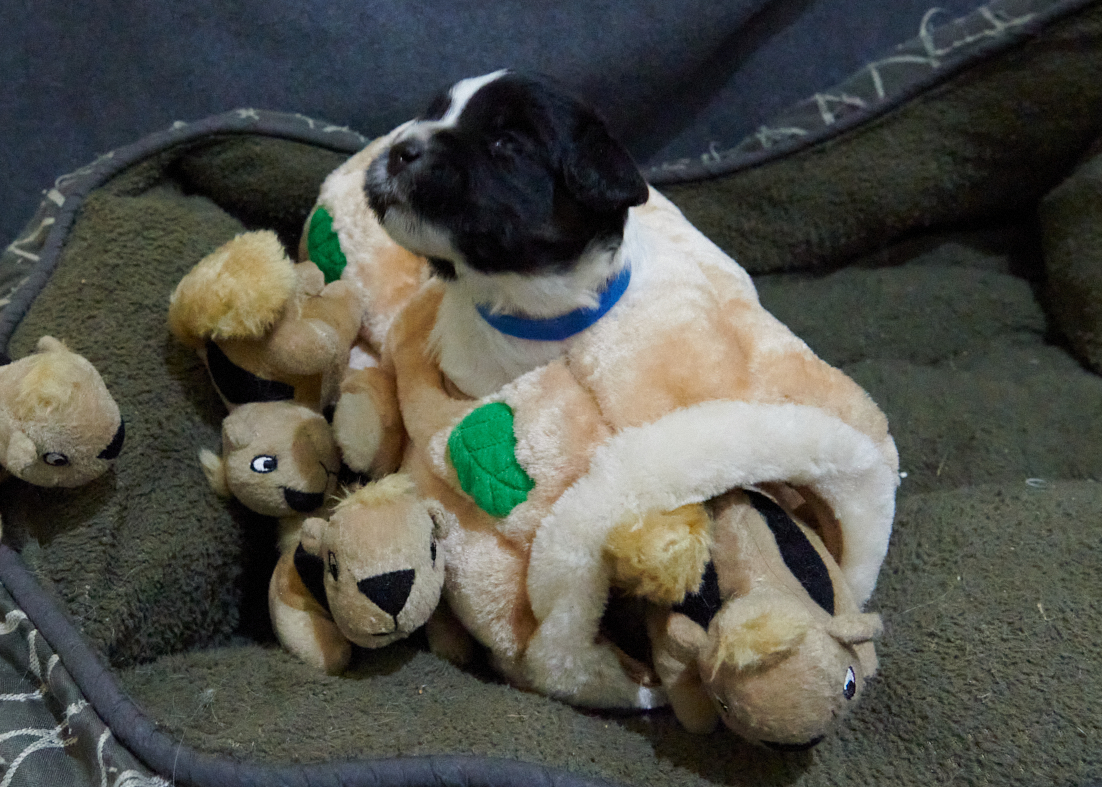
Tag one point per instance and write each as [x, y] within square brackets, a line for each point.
[402, 154]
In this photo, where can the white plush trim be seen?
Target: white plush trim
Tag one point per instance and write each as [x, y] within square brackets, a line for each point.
[689, 456]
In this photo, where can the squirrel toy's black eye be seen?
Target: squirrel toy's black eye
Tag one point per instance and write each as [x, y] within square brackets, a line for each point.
[264, 464]
[334, 569]
[54, 459]
[849, 688]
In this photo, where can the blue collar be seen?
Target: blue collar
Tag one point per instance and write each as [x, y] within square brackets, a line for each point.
[564, 326]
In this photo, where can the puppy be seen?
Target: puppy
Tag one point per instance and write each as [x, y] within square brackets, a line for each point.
[519, 197]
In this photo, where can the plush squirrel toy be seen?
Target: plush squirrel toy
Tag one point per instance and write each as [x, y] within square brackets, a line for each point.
[59, 425]
[279, 459]
[369, 575]
[772, 642]
[267, 328]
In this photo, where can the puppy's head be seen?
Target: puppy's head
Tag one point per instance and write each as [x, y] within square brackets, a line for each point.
[504, 173]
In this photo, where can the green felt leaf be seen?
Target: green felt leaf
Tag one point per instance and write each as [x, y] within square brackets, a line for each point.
[482, 449]
[323, 245]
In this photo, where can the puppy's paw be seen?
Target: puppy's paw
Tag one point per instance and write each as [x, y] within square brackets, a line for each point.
[660, 555]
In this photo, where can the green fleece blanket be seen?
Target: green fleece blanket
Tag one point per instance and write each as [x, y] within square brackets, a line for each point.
[944, 252]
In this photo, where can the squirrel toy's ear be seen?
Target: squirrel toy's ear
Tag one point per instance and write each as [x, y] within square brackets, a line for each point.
[215, 471]
[21, 452]
[685, 637]
[238, 429]
[756, 629]
[441, 518]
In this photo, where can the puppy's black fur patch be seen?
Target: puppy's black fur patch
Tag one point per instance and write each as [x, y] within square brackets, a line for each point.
[525, 180]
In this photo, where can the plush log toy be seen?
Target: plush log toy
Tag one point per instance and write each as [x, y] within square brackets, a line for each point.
[616, 470]
[599, 474]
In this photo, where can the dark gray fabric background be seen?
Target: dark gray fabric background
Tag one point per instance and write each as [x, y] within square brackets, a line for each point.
[80, 79]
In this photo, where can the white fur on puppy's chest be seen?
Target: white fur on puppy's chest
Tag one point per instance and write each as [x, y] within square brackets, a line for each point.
[477, 357]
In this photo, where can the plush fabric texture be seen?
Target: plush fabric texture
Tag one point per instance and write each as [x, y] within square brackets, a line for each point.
[988, 590]
[1071, 215]
[686, 389]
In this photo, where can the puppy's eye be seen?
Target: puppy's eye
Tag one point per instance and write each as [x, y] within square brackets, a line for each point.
[722, 705]
[54, 459]
[264, 464]
[502, 144]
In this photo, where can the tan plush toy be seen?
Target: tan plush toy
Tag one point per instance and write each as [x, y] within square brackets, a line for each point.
[59, 425]
[372, 574]
[772, 642]
[279, 459]
[269, 329]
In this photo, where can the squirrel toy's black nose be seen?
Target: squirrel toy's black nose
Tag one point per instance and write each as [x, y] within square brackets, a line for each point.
[389, 592]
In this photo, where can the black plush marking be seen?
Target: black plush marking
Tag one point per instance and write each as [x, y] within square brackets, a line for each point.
[348, 477]
[303, 502]
[240, 386]
[311, 570]
[389, 592]
[624, 623]
[114, 448]
[703, 605]
[797, 552]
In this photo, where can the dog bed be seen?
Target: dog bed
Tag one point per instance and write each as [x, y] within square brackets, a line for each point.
[932, 226]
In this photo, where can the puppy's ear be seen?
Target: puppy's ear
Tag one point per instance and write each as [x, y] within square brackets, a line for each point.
[599, 172]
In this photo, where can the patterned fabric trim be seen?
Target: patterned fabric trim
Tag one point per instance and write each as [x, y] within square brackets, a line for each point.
[935, 55]
[49, 733]
[65, 721]
[27, 263]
